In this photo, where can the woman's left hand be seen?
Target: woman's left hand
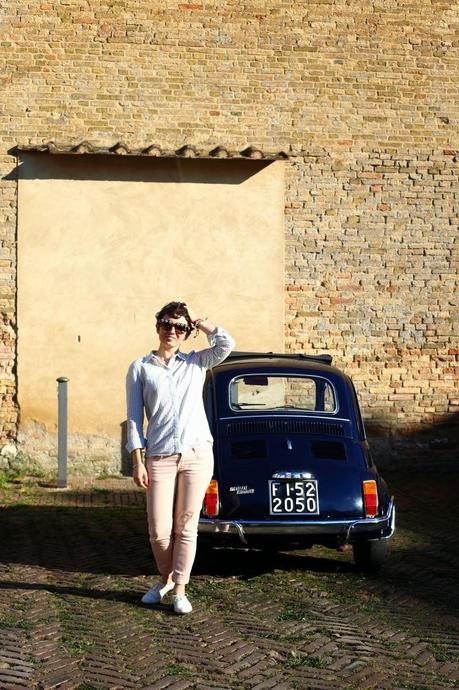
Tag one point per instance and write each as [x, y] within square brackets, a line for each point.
[140, 475]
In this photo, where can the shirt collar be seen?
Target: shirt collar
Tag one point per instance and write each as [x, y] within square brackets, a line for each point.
[179, 355]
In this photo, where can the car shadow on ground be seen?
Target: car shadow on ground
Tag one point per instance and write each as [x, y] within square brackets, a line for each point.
[115, 542]
[74, 543]
[221, 561]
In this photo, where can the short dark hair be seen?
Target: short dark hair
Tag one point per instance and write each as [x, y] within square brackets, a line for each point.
[175, 310]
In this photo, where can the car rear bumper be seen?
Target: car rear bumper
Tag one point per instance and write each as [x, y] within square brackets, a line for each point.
[346, 531]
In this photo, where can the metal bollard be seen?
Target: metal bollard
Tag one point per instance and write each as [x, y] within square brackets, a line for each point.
[62, 432]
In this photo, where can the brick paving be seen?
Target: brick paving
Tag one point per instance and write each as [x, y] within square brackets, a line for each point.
[74, 564]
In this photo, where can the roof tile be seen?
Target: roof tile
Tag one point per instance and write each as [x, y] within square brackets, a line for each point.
[155, 150]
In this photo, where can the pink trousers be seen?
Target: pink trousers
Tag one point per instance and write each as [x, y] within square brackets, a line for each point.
[177, 484]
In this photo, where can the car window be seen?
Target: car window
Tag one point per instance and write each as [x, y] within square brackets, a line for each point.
[269, 392]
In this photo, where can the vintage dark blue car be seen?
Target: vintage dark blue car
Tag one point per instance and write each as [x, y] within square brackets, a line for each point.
[292, 462]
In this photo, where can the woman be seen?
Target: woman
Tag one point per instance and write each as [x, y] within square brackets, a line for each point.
[167, 385]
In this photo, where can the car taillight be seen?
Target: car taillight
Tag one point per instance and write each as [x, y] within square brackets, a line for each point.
[370, 498]
[210, 503]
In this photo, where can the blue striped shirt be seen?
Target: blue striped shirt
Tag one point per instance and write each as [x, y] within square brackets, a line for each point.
[170, 396]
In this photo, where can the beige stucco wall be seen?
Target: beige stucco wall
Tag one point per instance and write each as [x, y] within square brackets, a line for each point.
[104, 242]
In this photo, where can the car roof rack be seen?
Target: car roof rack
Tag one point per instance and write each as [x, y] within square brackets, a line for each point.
[324, 358]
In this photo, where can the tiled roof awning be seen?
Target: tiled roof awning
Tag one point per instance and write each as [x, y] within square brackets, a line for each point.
[153, 150]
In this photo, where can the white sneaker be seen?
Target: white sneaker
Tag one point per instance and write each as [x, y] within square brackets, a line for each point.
[181, 603]
[156, 593]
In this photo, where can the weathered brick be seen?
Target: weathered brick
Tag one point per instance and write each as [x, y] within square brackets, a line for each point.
[371, 200]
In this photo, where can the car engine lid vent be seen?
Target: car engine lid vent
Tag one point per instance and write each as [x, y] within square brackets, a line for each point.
[279, 426]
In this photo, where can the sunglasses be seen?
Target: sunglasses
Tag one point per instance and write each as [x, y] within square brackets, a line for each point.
[168, 326]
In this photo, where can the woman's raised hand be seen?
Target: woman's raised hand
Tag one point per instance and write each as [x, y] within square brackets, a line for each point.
[191, 313]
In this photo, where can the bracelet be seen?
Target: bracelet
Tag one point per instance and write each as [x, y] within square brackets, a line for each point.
[197, 323]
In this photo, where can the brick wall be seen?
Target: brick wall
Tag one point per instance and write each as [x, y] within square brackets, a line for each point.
[364, 98]
[371, 277]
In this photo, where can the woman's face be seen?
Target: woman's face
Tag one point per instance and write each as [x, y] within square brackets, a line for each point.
[169, 335]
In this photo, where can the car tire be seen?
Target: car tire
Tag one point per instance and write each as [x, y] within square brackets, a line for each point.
[370, 555]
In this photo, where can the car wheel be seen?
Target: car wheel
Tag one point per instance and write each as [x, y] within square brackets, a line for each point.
[370, 555]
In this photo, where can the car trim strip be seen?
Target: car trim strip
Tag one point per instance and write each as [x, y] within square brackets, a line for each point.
[283, 416]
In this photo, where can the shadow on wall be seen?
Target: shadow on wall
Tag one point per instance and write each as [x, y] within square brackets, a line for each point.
[424, 445]
[126, 466]
[35, 166]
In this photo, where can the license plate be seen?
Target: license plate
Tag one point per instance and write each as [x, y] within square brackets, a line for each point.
[296, 497]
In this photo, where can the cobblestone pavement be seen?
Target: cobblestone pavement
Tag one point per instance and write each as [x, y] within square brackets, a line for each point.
[74, 565]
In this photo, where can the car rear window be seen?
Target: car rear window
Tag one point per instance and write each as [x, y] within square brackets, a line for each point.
[276, 392]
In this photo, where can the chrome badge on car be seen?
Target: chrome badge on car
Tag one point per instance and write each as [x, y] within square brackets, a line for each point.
[240, 490]
[292, 475]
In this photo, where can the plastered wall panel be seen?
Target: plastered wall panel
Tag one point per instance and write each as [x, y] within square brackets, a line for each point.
[102, 245]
